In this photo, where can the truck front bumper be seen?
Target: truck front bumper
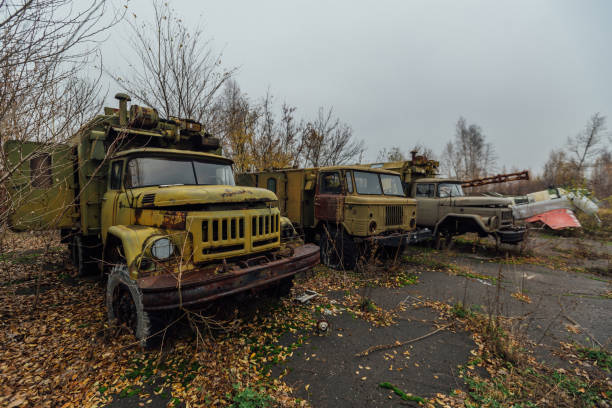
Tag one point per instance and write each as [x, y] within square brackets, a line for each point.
[404, 238]
[198, 287]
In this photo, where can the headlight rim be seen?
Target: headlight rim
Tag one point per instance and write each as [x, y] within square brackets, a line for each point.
[153, 249]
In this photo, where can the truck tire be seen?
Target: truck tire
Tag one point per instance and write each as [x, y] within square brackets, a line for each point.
[124, 307]
[83, 254]
[349, 251]
[330, 255]
[443, 240]
[338, 249]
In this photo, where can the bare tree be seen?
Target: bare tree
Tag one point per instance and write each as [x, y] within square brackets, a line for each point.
[46, 45]
[394, 153]
[327, 141]
[587, 145]
[274, 144]
[601, 176]
[176, 69]
[237, 120]
[469, 156]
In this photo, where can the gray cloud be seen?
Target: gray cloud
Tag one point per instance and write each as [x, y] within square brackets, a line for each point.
[529, 73]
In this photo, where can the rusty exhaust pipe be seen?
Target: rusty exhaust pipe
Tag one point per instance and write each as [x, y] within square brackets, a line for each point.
[123, 100]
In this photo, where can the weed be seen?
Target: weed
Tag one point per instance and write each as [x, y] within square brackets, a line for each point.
[129, 392]
[459, 311]
[367, 305]
[602, 358]
[249, 398]
[402, 394]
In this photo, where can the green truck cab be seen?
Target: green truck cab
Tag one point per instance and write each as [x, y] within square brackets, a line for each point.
[347, 210]
[443, 207]
[153, 206]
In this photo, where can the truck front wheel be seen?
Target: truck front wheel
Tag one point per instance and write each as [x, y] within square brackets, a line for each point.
[338, 249]
[124, 307]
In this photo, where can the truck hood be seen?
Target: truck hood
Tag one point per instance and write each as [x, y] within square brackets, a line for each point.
[477, 201]
[147, 197]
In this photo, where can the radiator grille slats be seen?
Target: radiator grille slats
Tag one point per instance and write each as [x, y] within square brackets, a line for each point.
[227, 235]
[394, 215]
[263, 225]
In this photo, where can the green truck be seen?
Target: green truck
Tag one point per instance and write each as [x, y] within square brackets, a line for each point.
[443, 207]
[151, 205]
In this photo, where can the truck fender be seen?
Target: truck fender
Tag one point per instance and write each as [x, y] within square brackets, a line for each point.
[133, 239]
[471, 217]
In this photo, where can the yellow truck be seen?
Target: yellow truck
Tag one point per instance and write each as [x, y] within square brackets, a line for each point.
[347, 210]
[152, 205]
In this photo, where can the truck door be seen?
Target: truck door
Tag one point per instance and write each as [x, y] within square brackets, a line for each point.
[276, 183]
[329, 198]
[41, 187]
[111, 197]
[427, 204]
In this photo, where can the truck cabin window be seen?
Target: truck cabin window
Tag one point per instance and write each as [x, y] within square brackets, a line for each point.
[115, 176]
[330, 183]
[426, 190]
[40, 171]
[391, 185]
[349, 182]
[450, 190]
[367, 183]
[154, 171]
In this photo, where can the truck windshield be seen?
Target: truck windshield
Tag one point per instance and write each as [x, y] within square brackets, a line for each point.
[367, 183]
[378, 184]
[450, 190]
[154, 171]
[392, 185]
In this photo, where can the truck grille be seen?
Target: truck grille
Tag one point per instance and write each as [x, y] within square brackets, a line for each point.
[394, 215]
[234, 233]
[264, 228]
[506, 216]
[223, 229]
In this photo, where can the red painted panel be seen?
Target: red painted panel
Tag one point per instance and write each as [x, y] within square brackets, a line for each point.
[557, 219]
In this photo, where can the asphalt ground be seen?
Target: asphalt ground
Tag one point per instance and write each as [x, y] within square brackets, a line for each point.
[566, 303]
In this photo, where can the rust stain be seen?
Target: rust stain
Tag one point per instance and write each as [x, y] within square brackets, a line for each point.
[174, 220]
[231, 193]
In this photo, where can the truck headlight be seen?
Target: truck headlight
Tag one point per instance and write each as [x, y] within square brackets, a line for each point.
[162, 248]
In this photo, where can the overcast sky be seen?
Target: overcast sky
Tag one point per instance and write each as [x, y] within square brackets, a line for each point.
[530, 73]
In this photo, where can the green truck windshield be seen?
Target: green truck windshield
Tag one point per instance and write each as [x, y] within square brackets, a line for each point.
[450, 190]
[154, 171]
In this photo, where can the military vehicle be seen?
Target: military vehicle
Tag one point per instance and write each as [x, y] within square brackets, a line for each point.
[348, 210]
[151, 204]
[443, 206]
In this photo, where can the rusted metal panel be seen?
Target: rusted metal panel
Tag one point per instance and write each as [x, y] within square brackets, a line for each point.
[329, 207]
[204, 285]
[174, 220]
[499, 178]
